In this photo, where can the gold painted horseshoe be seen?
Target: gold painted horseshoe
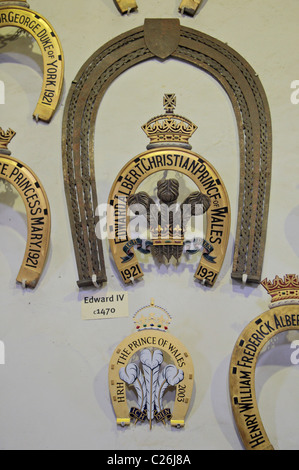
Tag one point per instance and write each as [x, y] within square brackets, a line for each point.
[11, 14]
[37, 208]
[189, 164]
[121, 357]
[189, 7]
[282, 316]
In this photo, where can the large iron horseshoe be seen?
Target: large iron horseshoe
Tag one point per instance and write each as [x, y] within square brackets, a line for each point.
[166, 38]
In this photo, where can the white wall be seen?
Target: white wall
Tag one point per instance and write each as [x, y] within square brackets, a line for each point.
[54, 385]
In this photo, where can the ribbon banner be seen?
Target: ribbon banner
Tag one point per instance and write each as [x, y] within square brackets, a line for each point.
[144, 246]
[138, 414]
[163, 415]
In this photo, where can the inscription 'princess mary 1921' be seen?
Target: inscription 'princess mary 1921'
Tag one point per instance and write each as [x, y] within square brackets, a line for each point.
[37, 209]
[167, 218]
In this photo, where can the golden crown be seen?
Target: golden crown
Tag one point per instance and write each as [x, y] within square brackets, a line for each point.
[5, 138]
[167, 235]
[152, 317]
[169, 128]
[284, 290]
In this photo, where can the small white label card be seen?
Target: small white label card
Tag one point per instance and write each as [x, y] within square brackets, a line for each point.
[111, 305]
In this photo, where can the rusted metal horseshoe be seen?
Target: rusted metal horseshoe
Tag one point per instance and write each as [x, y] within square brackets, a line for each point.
[166, 38]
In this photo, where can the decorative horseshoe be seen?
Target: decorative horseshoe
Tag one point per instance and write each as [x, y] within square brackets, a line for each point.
[169, 150]
[282, 316]
[189, 7]
[167, 39]
[37, 209]
[18, 14]
[153, 344]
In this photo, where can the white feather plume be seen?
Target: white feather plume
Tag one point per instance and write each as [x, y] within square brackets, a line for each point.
[132, 375]
[170, 375]
[151, 361]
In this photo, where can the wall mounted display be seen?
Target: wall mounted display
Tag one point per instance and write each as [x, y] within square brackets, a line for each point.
[150, 361]
[165, 39]
[18, 14]
[283, 315]
[167, 220]
[189, 7]
[37, 208]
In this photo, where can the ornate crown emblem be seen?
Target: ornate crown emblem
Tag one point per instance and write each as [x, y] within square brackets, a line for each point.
[152, 317]
[283, 291]
[169, 128]
[165, 222]
[5, 138]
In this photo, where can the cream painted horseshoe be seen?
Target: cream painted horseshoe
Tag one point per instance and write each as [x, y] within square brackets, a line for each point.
[53, 60]
[37, 209]
[152, 341]
[282, 316]
[189, 7]
[162, 341]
